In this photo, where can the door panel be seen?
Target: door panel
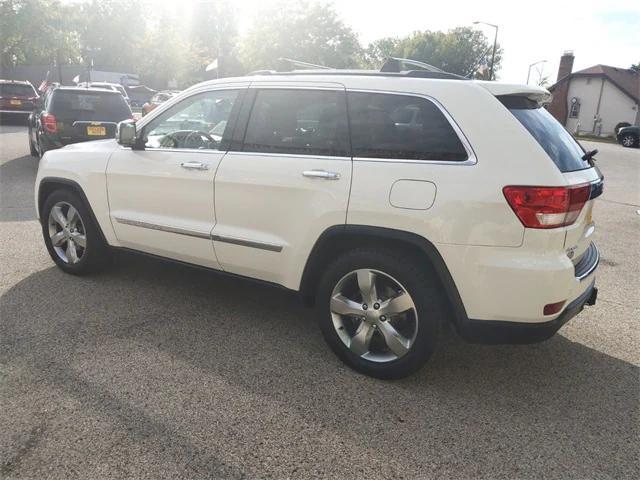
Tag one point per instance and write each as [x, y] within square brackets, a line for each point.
[289, 182]
[152, 198]
[265, 199]
[161, 198]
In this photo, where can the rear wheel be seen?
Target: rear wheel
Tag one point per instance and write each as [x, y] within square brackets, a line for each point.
[380, 312]
[70, 234]
[33, 151]
[629, 140]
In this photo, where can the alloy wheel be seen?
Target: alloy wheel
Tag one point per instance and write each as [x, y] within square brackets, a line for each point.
[374, 315]
[628, 140]
[67, 233]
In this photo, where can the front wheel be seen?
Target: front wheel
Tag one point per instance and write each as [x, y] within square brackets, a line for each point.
[72, 238]
[380, 312]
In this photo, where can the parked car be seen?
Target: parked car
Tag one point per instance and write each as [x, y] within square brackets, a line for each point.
[17, 98]
[116, 87]
[629, 136]
[402, 212]
[71, 115]
[139, 95]
[158, 99]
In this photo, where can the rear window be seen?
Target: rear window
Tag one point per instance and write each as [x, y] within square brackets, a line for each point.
[16, 90]
[90, 106]
[561, 147]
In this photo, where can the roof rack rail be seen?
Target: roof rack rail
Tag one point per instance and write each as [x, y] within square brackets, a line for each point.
[394, 64]
[365, 73]
[300, 63]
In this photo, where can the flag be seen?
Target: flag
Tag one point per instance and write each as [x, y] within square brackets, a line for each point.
[45, 83]
[212, 66]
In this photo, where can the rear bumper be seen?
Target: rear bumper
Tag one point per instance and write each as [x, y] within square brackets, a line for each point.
[500, 332]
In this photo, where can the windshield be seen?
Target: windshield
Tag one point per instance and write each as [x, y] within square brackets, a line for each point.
[561, 147]
[16, 90]
[90, 106]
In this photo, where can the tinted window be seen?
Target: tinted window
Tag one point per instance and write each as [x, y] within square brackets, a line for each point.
[307, 122]
[89, 106]
[16, 90]
[198, 122]
[403, 127]
[565, 152]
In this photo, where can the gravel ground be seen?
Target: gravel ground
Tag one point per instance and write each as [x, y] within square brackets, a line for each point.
[153, 370]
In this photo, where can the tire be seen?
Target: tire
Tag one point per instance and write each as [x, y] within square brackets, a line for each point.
[629, 140]
[41, 148]
[32, 149]
[419, 326]
[80, 259]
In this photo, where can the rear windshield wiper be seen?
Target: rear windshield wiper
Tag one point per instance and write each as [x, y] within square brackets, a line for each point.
[588, 157]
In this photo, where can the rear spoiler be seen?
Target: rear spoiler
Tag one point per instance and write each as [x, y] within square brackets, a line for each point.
[537, 94]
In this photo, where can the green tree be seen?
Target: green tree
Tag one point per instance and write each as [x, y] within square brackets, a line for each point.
[311, 32]
[37, 32]
[213, 32]
[462, 50]
[636, 67]
[110, 32]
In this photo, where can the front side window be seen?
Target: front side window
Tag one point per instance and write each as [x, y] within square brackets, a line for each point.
[305, 122]
[198, 122]
[401, 127]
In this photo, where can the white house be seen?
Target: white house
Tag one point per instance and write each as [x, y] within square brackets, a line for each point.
[596, 99]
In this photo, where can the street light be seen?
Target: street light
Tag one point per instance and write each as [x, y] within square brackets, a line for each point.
[495, 43]
[533, 64]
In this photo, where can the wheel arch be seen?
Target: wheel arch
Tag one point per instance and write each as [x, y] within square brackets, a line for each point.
[48, 185]
[341, 238]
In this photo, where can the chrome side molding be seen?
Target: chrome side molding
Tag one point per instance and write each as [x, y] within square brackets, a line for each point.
[162, 228]
[191, 233]
[247, 243]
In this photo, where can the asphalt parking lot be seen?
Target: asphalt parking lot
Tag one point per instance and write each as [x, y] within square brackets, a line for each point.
[153, 370]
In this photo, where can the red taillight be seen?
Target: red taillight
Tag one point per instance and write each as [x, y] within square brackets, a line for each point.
[49, 122]
[547, 207]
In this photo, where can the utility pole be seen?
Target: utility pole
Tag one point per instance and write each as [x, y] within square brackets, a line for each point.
[532, 65]
[495, 45]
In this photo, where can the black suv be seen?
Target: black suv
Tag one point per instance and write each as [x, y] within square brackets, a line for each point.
[72, 115]
[17, 98]
[629, 136]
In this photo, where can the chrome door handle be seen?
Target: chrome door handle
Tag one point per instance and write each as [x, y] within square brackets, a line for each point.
[194, 166]
[321, 174]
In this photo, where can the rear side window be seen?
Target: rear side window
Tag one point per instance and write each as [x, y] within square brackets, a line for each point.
[401, 127]
[306, 122]
[16, 90]
[90, 106]
[561, 147]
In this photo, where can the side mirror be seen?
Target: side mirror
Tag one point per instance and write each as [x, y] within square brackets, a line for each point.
[126, 133]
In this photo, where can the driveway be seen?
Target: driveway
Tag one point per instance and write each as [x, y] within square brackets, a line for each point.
[153, 370]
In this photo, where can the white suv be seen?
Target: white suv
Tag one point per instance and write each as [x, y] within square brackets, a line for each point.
[393, 202]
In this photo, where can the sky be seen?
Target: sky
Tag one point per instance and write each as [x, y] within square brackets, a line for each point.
[599, 32]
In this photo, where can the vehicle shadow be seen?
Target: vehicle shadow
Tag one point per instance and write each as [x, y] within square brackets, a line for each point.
[17, 180]
[173, 354]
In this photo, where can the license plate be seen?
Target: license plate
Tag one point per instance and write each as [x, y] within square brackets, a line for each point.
[15, 102]
[96, 131]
